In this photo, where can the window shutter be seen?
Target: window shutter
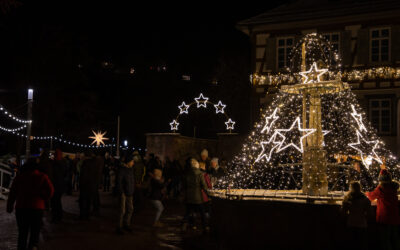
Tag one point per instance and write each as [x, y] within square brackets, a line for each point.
[363, 47]
[270, 55]
[395, 44]
[345, 48]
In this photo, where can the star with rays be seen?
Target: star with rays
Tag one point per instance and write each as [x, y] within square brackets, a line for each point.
[184, 109]
[313, 74]
[201, 101]
[98, 138]
[269, 121]
[358, 118]
[230, 124]
[270, 145]
[298, 146]
[174, 125]
[364, 144]
[219, 108]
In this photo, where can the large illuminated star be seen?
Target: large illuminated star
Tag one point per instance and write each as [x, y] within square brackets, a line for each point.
[313, 74]
[270, 145]
[230, 124]
[98, 138]
[370, 155]
[358, 118]
[219, 108]
[269, 121]
[184, 108]
[201, 101]
[174, 125]
[299, 147]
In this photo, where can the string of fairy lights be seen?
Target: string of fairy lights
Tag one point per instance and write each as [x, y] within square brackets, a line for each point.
[271, 157]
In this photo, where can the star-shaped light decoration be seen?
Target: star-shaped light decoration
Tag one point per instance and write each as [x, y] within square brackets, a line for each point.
[184, 109]
[174, 125]
[230, 125]
[265, 145]
[299, 147]
[324, 132]
[219, 108]
[201, 101]
[98, 138]
[358, 118]
[313, 74]
[370, 155]
[269, 121]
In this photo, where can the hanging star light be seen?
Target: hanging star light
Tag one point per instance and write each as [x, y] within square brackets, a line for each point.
[174, 125]
[201, 101]
[313, 74]
[372, 155]
[219, 108]
[184, 109]
[308, 131]
[271, 144]
[98, 138]
[324, 132]
[358, 118]
[230, 124]
[269, 121]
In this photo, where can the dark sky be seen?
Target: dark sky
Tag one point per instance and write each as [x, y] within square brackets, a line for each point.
[44, 42]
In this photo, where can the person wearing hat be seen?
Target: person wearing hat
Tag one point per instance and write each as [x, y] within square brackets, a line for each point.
[387, 211]
[204, 158]
[125, 188]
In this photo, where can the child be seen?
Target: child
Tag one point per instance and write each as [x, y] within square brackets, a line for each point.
[356, 206]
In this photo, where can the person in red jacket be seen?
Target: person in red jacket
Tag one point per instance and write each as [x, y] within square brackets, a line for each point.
[29, 192]
[387, 211]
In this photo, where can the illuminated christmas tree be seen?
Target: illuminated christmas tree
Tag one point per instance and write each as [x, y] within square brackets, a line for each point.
[312, 135]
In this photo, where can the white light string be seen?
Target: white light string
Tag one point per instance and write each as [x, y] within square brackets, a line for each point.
[11, 116]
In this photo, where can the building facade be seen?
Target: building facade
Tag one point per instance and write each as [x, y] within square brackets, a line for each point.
[365, 33]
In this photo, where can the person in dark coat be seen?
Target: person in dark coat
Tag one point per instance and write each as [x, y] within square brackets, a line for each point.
[139, 170]
[58, 179]
[29, 192]
[97, 175]
[156, 195]
[193, 183]
[106, 173]
[387, 211]
[356, 207]
[125, 188]
[87, 184]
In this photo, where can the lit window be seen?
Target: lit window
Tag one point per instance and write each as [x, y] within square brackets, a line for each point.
[284, 47]
[380, 114]
[380, 45]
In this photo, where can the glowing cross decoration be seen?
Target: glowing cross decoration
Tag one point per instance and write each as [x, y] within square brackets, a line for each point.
[313, 74]
[184, 109]
[219, 108]
[299, 147]
[174, 125]
[230, 124]
[371, 155]
[358, 118]
[201, 101]
[98, 138]
[269, 121]
[271, 145]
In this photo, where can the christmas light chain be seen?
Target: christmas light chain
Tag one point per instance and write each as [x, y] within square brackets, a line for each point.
[13, 129]
[11, 116]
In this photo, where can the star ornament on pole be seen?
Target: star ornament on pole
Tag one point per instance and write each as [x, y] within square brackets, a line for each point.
[270, 145]
[371, 154]
[201, 101]
[98, 138]
[269, 121]
[219, 108]
[313, 74]
[299, 146]
[358, 118]
[184, 109]
[174, 125]
[230, 125]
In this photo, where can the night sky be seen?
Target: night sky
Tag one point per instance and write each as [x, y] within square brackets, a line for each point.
[78, 57]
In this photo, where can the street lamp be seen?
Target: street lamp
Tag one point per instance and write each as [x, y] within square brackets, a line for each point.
[29, 128]
[126, 143]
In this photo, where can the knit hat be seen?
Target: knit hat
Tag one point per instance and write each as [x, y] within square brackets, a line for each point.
[204, 152]
[385, 176]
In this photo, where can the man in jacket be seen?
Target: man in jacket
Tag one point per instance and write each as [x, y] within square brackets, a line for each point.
[125, 188]
[387, 211]
[30, 191]
[193, 183]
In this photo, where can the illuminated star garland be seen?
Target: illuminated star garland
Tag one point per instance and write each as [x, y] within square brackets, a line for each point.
[230, 124]
[265, 146]
[174, 125]
[184, 109]
[312, 74]
[201, 101]
[269, 121]
[219, 108]
[358, 118]
[369, 157]
[98, 138]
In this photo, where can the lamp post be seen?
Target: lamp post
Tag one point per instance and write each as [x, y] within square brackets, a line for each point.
[29, 127]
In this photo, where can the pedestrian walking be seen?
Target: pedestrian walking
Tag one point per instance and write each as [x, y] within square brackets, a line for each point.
[30, 191]
[139, 170]
[157, 191]
[387, 211]
[57, 177]
[206, 198]
[125, 187]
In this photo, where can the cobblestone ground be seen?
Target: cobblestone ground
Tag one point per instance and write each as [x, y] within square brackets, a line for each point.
[99, 232]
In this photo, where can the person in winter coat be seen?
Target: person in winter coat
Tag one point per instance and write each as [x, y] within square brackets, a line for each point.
[204, 158]
[157, 186]
[387, 211]
[216, 170]
[356, 206]
[193, 183]
[139, 171]
[125, 187]
[206, 199]
[57, 177]
[30, 191]
[87, 184]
